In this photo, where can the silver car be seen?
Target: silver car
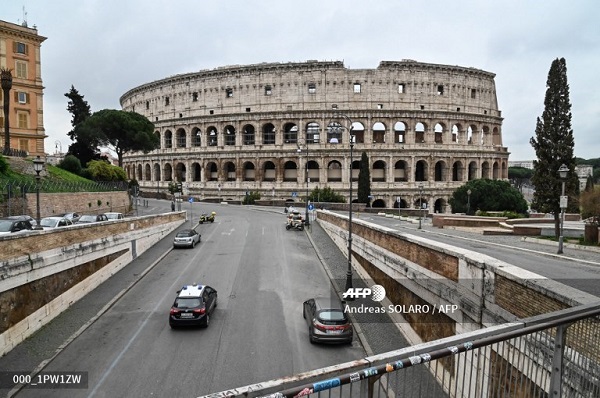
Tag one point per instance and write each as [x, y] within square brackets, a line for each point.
[55, 222]
[186, 238]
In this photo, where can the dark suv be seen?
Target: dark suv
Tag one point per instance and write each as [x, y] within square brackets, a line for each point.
[193, 306]
[13, 225]
[327, 321]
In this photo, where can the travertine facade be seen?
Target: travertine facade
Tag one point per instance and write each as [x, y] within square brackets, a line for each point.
[226, 131]
[20, 52]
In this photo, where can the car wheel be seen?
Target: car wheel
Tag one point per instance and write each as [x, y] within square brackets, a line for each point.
[171, 325]
[287, 227]
[206, 320]
[193, 244]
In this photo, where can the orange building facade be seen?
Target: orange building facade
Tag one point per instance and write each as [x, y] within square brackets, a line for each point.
[20, 52]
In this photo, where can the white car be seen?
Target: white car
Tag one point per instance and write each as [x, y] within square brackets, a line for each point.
[55, 222]
[114, 216]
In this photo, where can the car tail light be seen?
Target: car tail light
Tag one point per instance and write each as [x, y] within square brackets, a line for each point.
[324, 328]
[174, 311]
[199, 310]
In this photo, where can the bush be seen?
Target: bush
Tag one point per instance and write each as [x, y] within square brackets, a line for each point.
[71, 164]
[251, 198]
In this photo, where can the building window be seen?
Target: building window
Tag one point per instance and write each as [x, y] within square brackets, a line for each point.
[356, 88]
[24, 144]
[473, 93]
[147, 104]
[379, 106]
[401, 88]
[268, 90]
[21, 69]
[167, 101]
[22, 97]
[229, 92]
[23, 120]
[21, 48]
[194, 97]
[440, 90]
[312, 88]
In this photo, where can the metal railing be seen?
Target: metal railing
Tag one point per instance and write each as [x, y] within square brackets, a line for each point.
[552, 355]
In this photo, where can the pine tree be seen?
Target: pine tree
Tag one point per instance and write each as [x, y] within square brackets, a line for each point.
[554, 144]
[77, 107]
[364, 180]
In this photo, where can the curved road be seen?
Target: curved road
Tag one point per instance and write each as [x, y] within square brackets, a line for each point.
[262, 274]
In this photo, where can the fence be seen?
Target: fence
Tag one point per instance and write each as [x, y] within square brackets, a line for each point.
[552, 355]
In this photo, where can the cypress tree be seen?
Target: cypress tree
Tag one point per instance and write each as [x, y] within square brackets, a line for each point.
[364, 180]
[554, 144]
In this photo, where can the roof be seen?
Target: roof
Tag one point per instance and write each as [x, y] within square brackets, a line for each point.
[194, 290]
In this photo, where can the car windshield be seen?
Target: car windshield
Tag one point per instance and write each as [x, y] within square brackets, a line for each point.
[187, 302]
[113, 216]
[332, 315]
[87, 218]
[5, 225]
[48, 222]
[184, 234]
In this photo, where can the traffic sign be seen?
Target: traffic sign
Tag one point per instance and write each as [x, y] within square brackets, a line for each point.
[311, 207]
[191, 200]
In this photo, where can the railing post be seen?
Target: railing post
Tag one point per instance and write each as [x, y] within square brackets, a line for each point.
[557, 361]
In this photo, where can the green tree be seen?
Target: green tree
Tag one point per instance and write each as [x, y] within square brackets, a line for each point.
[78, 108]
[101, 170]
[120, 131]
[83, 148]
[364, 180]
[519, 176]
[251, 198]
[488, 195]
[71, 164]
[326, 195]
[553, 144]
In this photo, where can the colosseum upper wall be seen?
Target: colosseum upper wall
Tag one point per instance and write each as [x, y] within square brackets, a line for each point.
[270, 127]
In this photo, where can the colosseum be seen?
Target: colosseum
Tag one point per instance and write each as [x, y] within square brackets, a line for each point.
[282, 129]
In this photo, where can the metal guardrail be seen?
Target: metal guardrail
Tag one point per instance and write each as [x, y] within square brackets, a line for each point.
[552, 355]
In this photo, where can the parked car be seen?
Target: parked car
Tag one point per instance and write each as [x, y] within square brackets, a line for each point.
[186, 238]
[90, 218]
[114, 216]
[71, 216]
[327, 321]
[55, 222]
[10, 226]
[193, 305]
[31, 220]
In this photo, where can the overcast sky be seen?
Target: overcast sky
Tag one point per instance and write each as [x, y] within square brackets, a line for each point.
[106, 47]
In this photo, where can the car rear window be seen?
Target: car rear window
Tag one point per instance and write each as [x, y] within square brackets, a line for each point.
[332, 315]
[187, 302]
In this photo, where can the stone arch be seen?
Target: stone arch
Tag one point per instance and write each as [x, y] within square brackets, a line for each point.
[229, 135]
[334, 171]
[290, 133]
[196, 172]
[439, 130]
[312, 133]
[400, 133]
[230, 171]
[440, 171]
[248, 135]
[157, 176]
[472, 174]
[402, 204]
[139, 172]
[495, 171]
[212, 171]
[379, 203]
[457, 171]
[439, 206]
[212, 136]
[168, 172]
[181, 139]
[290, 171]
[180, 170]
[268, 134]
[421, 170]
[168, 139]
[485, 169]
[157, 134]
[249, 171]
[147, 172]
[313, 171]
[455, 133]
[379, 133]
[378, 171]
[358, 130]
[420, 129]
[196, 137]
[269, 171]
[496, 137]
[400, 171]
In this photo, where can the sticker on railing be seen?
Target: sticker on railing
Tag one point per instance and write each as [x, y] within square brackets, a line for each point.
[326, 384]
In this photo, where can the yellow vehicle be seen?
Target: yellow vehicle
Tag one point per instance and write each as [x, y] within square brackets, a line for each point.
[207, 217]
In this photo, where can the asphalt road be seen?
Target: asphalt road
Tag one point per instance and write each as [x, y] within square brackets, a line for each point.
[575, 267]
[262, 274]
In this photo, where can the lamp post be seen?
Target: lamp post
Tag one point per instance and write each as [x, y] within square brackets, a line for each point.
[38, 166]
[468, 201]
[563, 171]
[6, 83]
[299, 144]
[420, 205]
[351, 140]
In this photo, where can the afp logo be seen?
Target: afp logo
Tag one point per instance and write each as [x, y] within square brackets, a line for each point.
[377, 293]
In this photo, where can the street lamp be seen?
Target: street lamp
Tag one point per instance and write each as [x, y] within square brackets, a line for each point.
[468, 201]
[38, 166]
[299, 144]
[352, 140]
[6, 83]
[420, 205]
[563, 171]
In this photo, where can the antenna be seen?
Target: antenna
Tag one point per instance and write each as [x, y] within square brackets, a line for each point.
[24, 24]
